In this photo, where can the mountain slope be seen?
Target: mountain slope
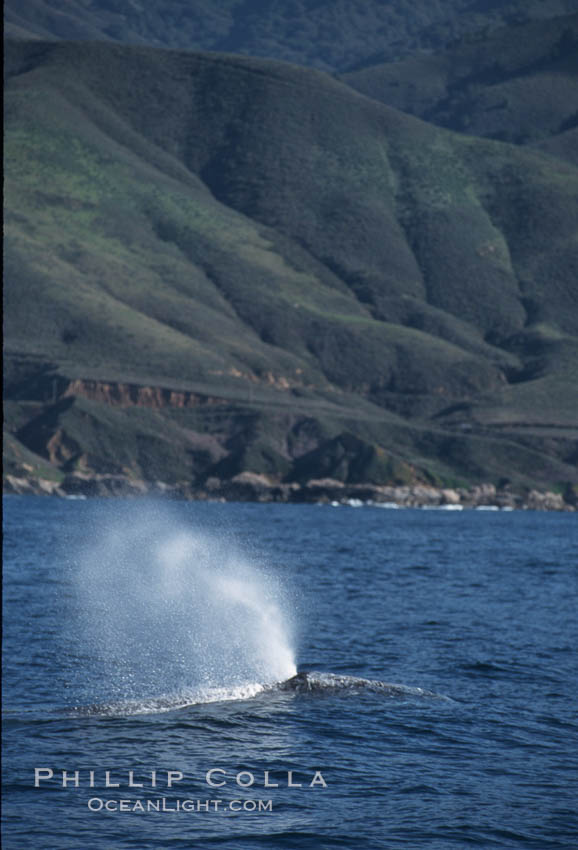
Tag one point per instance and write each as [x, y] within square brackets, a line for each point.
[518, 84]
[216, 264]
[323, 34]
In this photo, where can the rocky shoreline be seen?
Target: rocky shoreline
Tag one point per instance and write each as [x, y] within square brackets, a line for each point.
[251, 487]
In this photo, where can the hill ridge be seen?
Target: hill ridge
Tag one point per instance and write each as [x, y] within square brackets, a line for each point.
[299, 253]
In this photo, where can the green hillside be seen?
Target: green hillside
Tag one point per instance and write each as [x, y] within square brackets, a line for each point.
[216, 264]
[518, 84]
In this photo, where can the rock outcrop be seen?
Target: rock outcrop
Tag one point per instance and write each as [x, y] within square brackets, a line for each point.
[253, 487]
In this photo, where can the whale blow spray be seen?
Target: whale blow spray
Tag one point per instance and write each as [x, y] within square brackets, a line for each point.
[165, 609]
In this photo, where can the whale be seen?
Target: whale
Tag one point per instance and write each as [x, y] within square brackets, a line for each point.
[305, 682]
[300, 683]
[311, 682]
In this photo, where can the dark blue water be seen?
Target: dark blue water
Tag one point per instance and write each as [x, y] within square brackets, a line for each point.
[479, 607]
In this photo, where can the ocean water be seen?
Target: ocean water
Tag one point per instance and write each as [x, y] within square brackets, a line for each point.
[150, 638]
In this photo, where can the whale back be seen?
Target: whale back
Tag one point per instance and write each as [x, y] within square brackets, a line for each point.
[313, 682]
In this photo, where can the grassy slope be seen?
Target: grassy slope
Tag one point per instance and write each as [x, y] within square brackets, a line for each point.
[262, 234]
[517, 84]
